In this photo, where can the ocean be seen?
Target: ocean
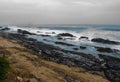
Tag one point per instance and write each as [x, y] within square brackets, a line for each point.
[51, 32]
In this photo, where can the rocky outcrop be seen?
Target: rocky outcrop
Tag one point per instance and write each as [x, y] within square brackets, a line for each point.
[62, 43]
[24, 32]
[83, 37]
[66, 34]
[104, 41]
[45, 35]
[5, 29]
[48, 52]
[1, 27]
[75, 49]
[107, 50]
[112, 70]
[82, 47]
[59, 38]
[53, 33]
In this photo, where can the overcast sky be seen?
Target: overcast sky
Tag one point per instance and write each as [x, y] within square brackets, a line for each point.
[59, 11]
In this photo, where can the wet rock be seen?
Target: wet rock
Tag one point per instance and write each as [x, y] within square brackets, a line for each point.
[62, 43]
[104, 41]
[39, 32]
[46, 40]
[82, 47]
[31, 39]
[59, 38]
[53, 33]
[108, 50]
[66, 34]
[112, 70]
[113, 75]
[69, 38]
[83, 37]
[1, 27]
[75, 49]
[24, 32]
[5, 29]
[111, 62]
[45, 35]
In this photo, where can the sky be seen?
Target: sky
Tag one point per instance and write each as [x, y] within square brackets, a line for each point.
[59, 11]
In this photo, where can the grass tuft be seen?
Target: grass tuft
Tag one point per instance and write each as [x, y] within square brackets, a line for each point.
[4, 67]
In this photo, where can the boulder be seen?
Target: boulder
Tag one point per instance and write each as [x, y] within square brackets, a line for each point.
[46, 40]
[59, 38]
[104, 41]
[24, 32]
[62, 43]
[53, 33]
[108, 50]
[39, 32]
[83, 37]
[66, 34]
[5, 29]
[82, 47]
[75, 48]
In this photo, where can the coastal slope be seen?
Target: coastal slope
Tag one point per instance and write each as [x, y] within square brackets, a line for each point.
[27, 67]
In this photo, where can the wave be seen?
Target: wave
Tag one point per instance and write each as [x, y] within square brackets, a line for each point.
[91, 32]
[77, 31]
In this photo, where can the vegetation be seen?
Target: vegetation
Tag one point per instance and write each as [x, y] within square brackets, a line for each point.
[4, 66]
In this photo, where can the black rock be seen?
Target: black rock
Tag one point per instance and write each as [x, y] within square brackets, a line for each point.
[82, 47]
[45, 35]
[75, 48]
[66, 34]
[46, 40]
[4, 29]
[53, 33]
[31, 39]
[38, 32]
[104, 41]
[112, 70]
[24, 32]
[62, 43]
[83, 37]
[108, 50]
[59, 38]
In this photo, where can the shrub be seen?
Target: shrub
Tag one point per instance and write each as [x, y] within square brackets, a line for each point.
[4, 67]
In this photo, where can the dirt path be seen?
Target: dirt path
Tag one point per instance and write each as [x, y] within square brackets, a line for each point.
[27, 67]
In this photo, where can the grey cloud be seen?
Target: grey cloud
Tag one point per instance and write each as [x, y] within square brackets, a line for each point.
[59, 11]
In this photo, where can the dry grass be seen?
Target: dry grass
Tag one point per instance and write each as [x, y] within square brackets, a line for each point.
[28, 66]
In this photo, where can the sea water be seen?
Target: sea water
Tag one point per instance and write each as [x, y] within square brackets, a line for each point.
[110, 32]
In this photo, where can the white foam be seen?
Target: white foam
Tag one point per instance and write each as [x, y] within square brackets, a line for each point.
[90, 32]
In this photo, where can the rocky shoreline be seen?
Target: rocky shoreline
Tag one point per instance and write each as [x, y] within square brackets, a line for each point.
[109, 65]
